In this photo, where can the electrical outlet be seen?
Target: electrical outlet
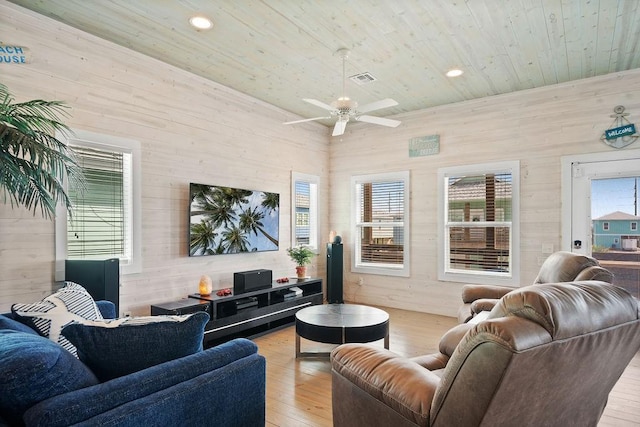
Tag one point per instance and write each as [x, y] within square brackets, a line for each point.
[360, 281]
[127, 314]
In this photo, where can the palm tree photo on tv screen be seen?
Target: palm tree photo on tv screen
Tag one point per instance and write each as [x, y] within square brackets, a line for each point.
[225, 220]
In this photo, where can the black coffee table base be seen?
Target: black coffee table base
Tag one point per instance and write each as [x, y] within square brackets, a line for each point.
[340, 324]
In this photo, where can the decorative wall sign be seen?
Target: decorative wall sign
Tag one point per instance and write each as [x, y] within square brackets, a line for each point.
[622, 133]
[424, 146]
[10, 54]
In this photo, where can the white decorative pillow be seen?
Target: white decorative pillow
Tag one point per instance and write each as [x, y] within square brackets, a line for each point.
[72, 303]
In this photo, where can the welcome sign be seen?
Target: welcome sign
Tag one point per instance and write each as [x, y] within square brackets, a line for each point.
[10, 54]
[624, 132]
[620, 131]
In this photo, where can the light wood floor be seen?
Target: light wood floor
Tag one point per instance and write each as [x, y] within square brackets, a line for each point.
[299, 391]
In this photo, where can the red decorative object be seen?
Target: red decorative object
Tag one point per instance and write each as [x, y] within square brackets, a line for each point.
[224, 292]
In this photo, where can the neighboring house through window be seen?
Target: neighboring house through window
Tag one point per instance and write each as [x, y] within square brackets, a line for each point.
[105, 221]
[304, 202]
[380, 224]
[478, 233]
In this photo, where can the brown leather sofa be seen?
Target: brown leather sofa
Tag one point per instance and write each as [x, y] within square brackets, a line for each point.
[548, 355]
[558, 267]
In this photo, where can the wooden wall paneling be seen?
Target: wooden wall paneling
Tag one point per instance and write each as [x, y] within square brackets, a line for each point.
[190, 130]
[535, 126]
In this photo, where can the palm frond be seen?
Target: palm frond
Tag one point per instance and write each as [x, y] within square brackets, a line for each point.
[33, 163]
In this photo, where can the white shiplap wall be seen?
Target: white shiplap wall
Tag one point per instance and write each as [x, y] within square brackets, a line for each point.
[195, 130]
[190, 129]
[536, 127]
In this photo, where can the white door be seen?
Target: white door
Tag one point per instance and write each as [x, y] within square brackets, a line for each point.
[604, 215]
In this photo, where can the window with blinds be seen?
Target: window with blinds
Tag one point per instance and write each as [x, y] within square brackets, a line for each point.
[98, 227]
[380, 223]
[305, 210]
[106, 218]
[479, 221]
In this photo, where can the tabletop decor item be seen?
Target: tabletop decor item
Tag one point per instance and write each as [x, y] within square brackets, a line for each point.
[301, 255]
[205, 287]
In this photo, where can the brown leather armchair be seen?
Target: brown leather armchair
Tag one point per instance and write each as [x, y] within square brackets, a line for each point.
[558, 267]
[548, 354]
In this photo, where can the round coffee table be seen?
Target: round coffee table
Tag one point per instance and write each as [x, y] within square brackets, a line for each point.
[339, 324]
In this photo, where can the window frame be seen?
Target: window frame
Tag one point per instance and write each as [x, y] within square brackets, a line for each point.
[487, 278]
[314, 214]
[389, 269]
[605, 226]
[633, 225]
[104, 142]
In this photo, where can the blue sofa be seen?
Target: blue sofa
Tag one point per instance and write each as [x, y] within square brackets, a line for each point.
[222, 386]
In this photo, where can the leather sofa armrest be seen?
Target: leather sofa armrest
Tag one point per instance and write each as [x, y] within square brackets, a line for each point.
[595, 273]
[432, 362]
[452, 338]
[447, 346]
[464, 313]
[483, 304]
[470, 293]
[397, 382]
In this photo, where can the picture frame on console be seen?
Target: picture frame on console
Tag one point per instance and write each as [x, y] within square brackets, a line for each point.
[226, 220]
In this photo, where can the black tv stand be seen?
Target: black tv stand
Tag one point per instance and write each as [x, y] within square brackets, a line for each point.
[256, 312]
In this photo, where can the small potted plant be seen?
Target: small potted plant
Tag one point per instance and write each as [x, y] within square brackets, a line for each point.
[301, 255]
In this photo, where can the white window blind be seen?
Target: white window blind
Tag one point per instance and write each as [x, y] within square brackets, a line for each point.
[98, 228]
[106, 220]
[381, 223]
[478, 223]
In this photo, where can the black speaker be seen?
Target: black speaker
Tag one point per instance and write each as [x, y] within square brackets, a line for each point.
[253, 280]
[100, 278]
[334, 273]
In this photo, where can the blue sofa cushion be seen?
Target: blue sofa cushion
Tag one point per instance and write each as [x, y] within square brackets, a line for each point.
[113, 348]
[14, 325]
[49, 316]
[34, 369]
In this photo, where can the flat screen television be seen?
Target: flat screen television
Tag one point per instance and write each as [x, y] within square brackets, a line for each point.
[225, 220]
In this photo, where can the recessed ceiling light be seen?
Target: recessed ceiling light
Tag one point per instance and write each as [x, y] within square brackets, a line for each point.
[454, 73]
[200, 22]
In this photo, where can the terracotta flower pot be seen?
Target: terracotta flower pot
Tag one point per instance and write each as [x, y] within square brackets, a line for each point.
[301, 271]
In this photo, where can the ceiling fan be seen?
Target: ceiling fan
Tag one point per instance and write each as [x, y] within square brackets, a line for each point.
[345, 109]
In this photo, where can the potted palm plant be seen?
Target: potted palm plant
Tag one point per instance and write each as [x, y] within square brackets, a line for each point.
[33, 163]
[301, 255]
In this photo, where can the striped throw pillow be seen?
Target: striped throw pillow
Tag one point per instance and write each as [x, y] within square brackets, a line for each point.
[72, 303]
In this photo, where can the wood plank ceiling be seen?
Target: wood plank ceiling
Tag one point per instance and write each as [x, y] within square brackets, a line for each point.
[281, 51]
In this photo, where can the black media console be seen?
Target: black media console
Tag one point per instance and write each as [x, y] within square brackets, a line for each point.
[256, 312]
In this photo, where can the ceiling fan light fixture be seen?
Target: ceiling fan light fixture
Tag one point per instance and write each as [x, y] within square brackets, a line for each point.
[201, 22]
[344, 104]
[455, 72]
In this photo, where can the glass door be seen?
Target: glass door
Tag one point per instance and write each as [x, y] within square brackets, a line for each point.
[605, 222]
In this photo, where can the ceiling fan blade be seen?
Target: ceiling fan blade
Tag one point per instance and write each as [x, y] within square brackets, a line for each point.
[305, 120]
[338, 129]
[379, 121]
[319, 104]
[378, 105]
